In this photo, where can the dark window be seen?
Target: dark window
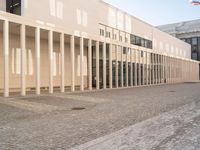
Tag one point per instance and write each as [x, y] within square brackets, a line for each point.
[133, 39]
[13, 6]
[124, 50]
[136, 40]
[143, 42]
[194, 41]
[142, 54]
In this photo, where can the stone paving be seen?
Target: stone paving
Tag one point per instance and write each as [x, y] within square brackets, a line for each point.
[48, 122]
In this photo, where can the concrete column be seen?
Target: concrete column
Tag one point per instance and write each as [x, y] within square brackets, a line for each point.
[136, 56]
[23, 58]
[90, 63]
[110, 66]
[159, 72]
[139, 56]
[104, 65]
[147, 69]
[131, 59]
[122, 67]
[81, 63]
[159, 69]
[171, 69]
[97, 65]
[156, 68]
[117, 67]
[62, 52]
[153, 68]
[37, 59]
[127, 76]
[50, 40]
[162, 78]
[72, 51]
[6, 57]
[143, 69]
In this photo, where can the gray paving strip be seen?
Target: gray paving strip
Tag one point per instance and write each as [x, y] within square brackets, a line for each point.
[148, 134]
[83, 98]
[30, 106]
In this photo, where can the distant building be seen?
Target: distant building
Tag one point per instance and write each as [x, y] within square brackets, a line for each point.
[189, 32]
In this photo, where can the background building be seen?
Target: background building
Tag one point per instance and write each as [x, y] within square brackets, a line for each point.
[76, 45]
[189, 32]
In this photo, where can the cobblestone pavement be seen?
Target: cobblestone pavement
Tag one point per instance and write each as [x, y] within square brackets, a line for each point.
[48, 122]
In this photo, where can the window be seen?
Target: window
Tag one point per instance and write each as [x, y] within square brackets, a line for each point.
[124, 50]
[107, 34]
[13, 6]
[143, 42]
[142, 54]
[194, 41]
[133, 39]
[101, 32]
[136, 40]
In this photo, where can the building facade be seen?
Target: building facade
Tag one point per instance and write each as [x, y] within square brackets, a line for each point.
[76, 45]
[189, 32]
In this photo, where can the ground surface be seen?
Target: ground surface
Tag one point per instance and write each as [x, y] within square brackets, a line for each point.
[159, 117]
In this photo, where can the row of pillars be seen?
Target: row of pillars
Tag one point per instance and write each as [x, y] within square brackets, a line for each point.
[164, 59]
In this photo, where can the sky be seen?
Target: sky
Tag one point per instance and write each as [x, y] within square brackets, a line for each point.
[159, 12]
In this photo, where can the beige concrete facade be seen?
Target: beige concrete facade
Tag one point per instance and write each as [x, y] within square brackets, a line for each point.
[60, 47]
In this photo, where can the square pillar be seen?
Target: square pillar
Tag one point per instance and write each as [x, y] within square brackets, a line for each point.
[150, 68]
[97, 65]
[117, 67]
[147, 69]
[50, 40]
[136, 56]
[110, 66]
[62, 52]
[81, 63]
[127, 76]
[131, 59]
[156, 68]
[37, 59]
[153, 68]
[90, 63]
[139, 57]
[23, 58]
[104, 65]
[143, 70]
[6, 57]
[122, 67]
[72, 51]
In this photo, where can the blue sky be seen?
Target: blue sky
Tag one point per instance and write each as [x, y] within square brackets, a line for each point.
[159, 12]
